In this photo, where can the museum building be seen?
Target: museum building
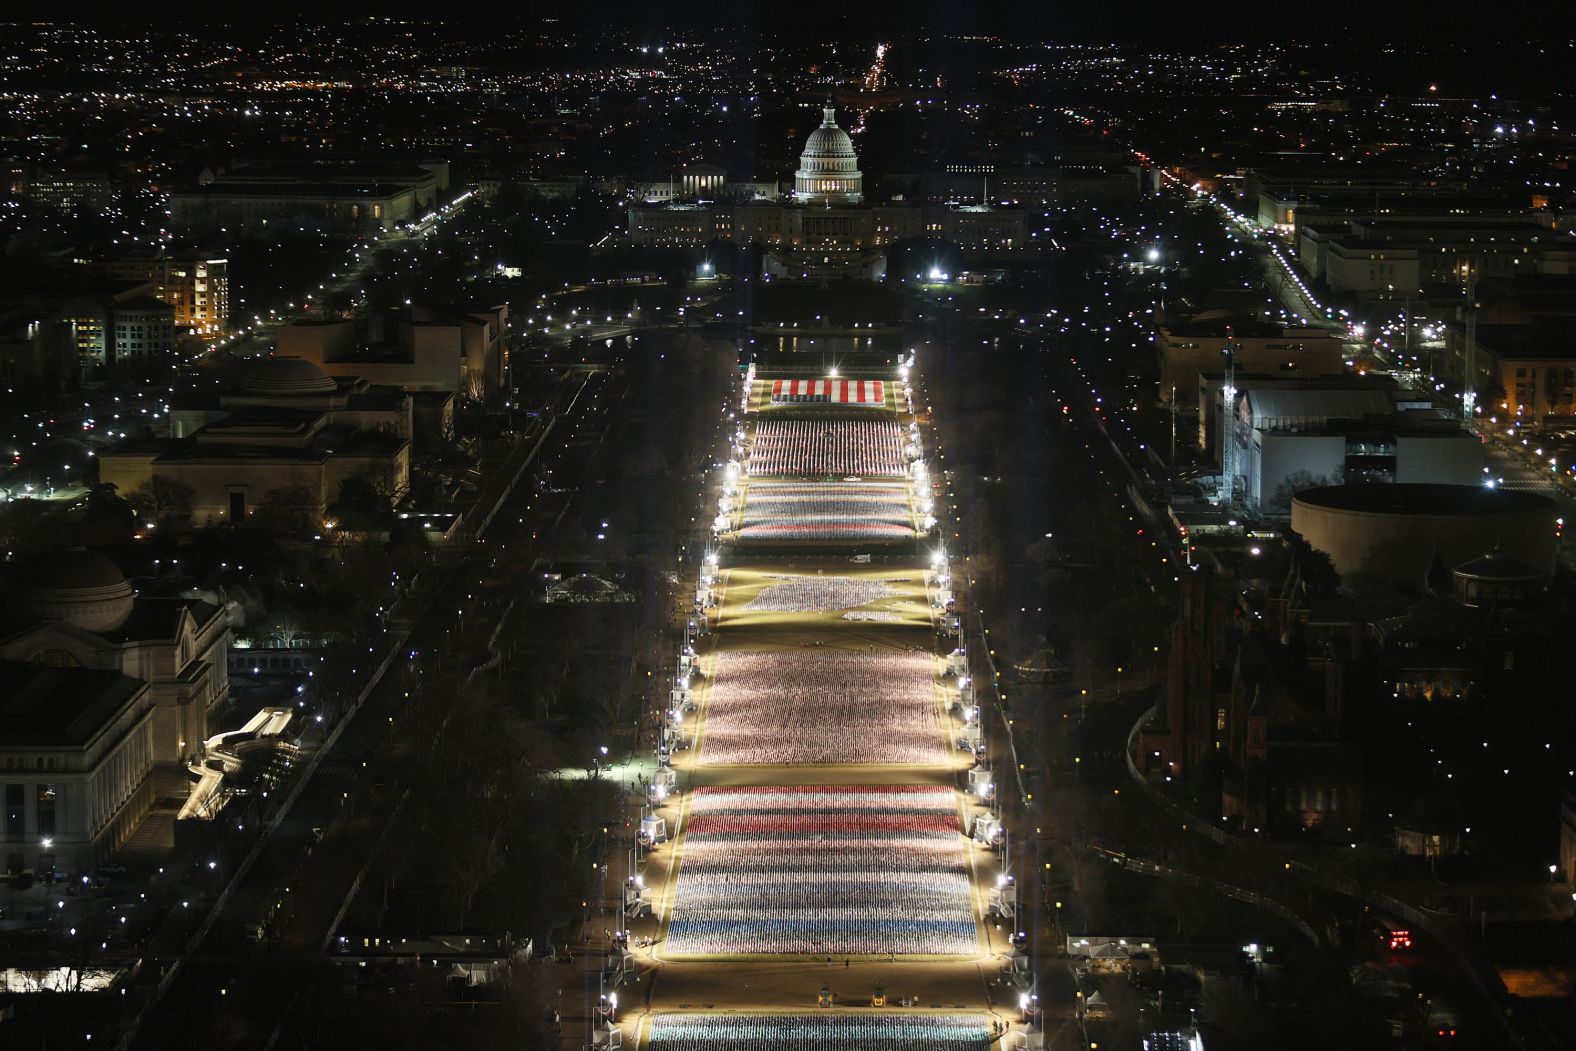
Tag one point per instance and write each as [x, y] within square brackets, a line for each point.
[105, 697]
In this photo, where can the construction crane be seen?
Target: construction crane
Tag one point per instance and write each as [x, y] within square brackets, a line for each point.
[1469, 366]
[1228, 426]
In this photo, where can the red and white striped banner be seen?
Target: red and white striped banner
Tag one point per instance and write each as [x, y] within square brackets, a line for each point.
[835, 392]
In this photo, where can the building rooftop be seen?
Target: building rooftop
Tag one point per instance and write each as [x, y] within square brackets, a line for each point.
[1496, 565]
[293, 189]
[1541, 341]
[1415, 498]
[43, 707]
[144, 303]
[1214, 323]
[169, 450]
[155, 619]
[1278, 407]
[261, 420]
[366, 171]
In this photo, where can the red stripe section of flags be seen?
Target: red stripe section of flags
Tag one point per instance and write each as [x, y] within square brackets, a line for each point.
[830, 391]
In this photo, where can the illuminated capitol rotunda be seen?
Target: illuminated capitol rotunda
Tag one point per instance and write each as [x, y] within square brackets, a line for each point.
[829, 167]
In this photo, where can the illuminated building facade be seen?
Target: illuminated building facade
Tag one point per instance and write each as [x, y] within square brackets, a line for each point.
[71, 192]
[823, 228]
[197, 287]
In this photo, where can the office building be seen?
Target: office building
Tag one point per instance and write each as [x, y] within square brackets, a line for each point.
[460, 350]
[70, 191]
[264, 209]
[1193, 344]
[196, 286]
[287, 428]
[1292, 438]
[144, 328]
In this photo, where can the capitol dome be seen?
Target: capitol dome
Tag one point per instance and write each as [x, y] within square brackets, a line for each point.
[74, 585]
[829, 167]
[276, 377]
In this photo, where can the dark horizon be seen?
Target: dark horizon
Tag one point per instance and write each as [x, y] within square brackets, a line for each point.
[1137, 21]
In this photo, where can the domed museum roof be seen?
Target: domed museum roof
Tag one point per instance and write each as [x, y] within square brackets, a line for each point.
[1498, 566]
[74, 585]
[286, 376]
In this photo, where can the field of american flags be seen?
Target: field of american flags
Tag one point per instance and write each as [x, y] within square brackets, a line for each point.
[762, 607]
[827, 511]
[798, 446]
[794, 707]
[770, 396]
[818, 814]
[823, 1032]
[823, 869]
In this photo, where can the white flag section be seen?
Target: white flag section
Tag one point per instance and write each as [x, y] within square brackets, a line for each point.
[823, 869]
[823, 1032]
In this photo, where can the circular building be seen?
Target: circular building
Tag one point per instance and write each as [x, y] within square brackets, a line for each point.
[829, 168]
[1496, 577]
[74, 585]
[1392, 533]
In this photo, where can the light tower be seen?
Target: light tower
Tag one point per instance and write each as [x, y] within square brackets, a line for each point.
[1228, 427]
[1469, 366]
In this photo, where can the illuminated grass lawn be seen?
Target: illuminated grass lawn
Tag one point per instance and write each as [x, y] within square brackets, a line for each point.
[816, 705]
[826, 511]
[823, 1032]
[763, 600]
[839, 870]
[818, 594]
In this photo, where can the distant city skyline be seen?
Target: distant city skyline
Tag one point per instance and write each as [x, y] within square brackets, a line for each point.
[968, 526]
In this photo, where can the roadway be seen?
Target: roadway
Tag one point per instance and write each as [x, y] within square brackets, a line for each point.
[241, 992]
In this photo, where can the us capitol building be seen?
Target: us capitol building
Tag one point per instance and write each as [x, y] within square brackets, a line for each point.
[823, 228]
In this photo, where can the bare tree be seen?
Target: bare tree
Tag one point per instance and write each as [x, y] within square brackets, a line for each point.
[474, 864]
[291, 509]
[163, 499]
[1295, 483]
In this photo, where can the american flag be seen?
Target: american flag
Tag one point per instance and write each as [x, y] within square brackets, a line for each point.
[834, 392]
